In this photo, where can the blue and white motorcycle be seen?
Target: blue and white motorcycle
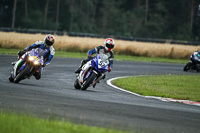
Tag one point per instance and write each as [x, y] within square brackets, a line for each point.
[93, 71]
[194, 63]
[27, 65]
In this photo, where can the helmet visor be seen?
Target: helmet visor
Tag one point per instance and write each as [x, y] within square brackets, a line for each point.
[49, 43]
[109, 46]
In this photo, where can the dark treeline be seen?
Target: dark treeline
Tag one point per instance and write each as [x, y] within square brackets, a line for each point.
[165, 19]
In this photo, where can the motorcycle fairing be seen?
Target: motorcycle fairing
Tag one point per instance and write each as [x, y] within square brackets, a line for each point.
[84, 70]
[100, 63]
[17, 64]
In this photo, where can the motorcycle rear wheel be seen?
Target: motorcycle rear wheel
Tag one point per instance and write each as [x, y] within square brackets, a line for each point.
[89, 81]
[22, 74]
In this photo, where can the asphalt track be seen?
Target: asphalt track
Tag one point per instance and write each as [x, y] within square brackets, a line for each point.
[54, 97]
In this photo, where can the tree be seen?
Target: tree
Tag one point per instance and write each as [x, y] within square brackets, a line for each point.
[14, 12]
[139, 18]
[46, 12]
[146, 10]
[57, 14]
[26, 8]
[71, 15]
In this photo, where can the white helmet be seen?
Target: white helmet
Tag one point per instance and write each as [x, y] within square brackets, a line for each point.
[109, 44]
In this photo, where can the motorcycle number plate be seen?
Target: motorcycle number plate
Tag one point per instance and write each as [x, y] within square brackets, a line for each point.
[101, 64]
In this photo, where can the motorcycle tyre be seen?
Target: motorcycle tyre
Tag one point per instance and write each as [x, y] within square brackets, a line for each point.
[76, 85]
[188, 66]
[22, 74]
[89, 81]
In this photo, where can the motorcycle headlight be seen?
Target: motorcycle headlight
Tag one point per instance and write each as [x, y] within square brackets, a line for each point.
[31, 58]
[36, 62]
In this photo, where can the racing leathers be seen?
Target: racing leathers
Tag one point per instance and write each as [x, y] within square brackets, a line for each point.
[48, 55]
[98, 50]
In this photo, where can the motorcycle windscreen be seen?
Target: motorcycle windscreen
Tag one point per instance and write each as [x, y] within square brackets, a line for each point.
[102, 63]
[40, 51]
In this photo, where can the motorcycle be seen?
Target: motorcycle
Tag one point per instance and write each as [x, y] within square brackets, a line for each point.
[27, 65]
[92, 72]
[194, 63]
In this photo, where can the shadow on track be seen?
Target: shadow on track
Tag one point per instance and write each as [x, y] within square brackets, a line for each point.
[27, 84]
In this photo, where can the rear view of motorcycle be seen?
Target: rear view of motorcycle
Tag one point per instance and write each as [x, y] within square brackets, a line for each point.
[194, 63]
[92, 72]
[27, 65]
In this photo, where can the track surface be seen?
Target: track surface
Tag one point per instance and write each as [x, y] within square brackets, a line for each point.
[54, 96]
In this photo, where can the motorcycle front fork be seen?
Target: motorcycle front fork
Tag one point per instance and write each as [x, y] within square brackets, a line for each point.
[98, 79]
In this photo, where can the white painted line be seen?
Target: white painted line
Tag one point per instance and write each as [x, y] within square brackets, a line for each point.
[109, 82]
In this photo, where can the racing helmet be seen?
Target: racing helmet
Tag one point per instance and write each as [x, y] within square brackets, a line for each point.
[198, 54]
[49, 40]
[109, 44]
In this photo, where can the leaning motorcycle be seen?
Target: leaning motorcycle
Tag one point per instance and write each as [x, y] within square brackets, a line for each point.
[194, 63]
[27, 65]
[93, 71]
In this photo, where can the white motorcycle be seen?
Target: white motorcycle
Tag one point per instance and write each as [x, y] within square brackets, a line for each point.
[93, 71]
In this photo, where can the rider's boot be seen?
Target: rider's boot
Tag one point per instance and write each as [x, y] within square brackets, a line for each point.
[78, 70]
[13, 63]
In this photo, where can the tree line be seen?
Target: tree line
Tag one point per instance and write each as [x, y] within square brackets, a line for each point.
[164, 19]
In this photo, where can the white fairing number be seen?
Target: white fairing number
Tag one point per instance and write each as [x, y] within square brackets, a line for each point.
[101, 64]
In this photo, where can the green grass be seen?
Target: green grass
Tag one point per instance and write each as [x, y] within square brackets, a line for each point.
[18, 123]
[149, 59]
[117, 57]
[8, 51]
[184, 87]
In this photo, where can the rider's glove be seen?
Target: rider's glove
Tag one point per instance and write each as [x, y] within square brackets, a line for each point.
[109, 69]
[89, 56]
[21, 52]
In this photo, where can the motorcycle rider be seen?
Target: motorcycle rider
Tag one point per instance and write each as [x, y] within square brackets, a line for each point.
[197, 53]
[106, 49]
[47, 46]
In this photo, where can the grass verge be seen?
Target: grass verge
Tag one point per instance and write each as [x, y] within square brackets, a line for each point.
[185, 87]
[117, 57]
[17, 123]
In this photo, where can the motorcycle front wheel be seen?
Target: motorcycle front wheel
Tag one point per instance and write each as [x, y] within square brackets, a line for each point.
[188, 66]
[89, 81]
[22, 74]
